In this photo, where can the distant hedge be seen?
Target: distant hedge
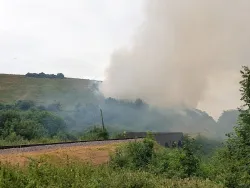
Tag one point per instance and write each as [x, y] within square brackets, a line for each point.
[43, 75]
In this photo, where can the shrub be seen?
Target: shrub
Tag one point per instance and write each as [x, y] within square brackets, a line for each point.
[189, 160]
[24, 104]
[135, 155]
[148, 155]
[95, 133]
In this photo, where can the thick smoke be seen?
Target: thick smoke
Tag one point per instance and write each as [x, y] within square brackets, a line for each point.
[180, 52]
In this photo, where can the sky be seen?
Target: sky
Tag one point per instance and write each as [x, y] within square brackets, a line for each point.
[75, 37]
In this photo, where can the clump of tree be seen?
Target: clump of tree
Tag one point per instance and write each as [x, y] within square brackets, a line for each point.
[43, 75]
[29, 125]
[24, 122]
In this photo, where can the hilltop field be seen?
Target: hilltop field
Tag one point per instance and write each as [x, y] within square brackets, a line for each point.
[68, 91]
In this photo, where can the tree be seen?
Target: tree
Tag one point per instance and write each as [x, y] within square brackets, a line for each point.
[189, 160]
[60, 75]
[139, 103]
[238, 143]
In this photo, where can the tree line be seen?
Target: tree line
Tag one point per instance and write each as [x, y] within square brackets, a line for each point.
[43, 75]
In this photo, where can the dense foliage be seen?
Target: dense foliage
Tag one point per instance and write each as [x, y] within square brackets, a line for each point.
[23, 122]
[149, 156]
[127, 115]
[29, 124]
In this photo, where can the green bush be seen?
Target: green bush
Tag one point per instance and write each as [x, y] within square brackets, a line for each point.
[189, 160]
[167, 162]
[95, 133]
[207, 146]
[135, 155]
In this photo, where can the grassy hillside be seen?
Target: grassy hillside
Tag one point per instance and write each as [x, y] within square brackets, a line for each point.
[43, 90]
[126, 115]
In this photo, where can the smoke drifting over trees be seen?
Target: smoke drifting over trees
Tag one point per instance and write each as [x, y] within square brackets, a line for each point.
[181, 51]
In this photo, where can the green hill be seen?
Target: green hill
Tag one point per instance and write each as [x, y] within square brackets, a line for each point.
[68, 91]
[81, 103]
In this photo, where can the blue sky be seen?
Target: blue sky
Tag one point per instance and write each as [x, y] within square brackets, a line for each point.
[75, 37]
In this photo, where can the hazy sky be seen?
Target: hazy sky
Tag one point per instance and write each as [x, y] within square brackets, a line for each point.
[75, 37]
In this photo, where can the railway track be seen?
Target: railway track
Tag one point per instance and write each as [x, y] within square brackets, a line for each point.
[37, 147]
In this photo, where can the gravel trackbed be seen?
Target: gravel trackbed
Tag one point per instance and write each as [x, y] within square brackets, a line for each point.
[63, 145]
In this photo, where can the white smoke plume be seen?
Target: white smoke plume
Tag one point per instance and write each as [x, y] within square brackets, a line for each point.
[181, 52]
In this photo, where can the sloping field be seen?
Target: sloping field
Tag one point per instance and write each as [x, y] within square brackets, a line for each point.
[44, 90]
[96, 154]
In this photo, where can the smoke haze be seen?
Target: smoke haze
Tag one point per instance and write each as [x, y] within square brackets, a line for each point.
[181, 52]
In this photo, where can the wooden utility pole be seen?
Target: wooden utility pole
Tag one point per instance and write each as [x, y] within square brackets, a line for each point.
[102, 119]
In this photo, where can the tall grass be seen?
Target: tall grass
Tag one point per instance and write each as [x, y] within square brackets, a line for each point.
[77, 175]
